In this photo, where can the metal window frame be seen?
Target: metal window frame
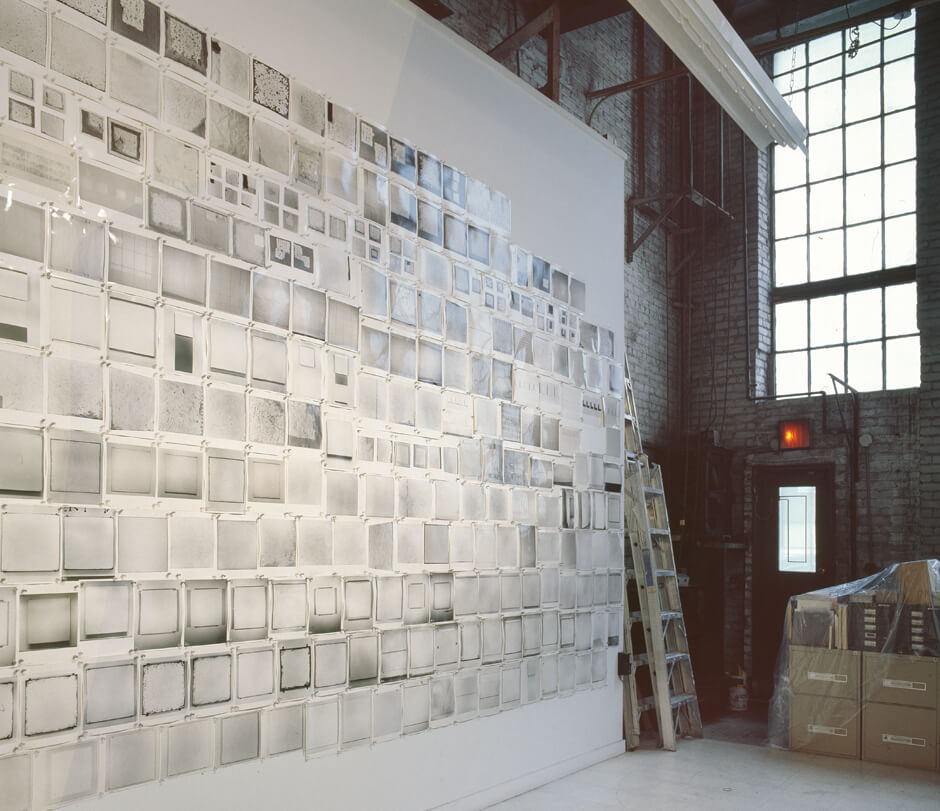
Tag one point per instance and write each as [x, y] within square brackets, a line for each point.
[847, 283]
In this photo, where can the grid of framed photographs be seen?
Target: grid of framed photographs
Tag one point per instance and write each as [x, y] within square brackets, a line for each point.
[297, 450]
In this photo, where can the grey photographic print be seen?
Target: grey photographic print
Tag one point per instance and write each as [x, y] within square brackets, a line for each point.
[298, 453]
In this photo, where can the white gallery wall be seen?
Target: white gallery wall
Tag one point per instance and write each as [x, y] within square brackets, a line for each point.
[396, 68]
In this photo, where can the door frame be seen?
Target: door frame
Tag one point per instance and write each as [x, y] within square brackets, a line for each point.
[770, 588]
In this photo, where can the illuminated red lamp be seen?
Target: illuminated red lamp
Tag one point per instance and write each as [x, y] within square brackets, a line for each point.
[793, 434]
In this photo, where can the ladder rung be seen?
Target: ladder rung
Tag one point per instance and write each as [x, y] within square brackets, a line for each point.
[653, 491]
[666, 616]
[636, 616]
[676, 656]
[657, 531]
[682, 698]
[665, 573]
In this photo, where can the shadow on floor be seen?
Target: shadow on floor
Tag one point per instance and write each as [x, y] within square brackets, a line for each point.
[749, 726]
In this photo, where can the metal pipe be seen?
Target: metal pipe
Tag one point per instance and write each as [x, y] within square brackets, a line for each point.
[852, 440]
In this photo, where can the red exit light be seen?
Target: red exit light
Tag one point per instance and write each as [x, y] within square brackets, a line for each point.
[794, 434]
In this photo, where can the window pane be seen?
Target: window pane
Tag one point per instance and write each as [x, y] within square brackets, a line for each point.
[900, 137]
[824, 362]
[863, 243]
[790, 261]
[825, 155]
[865, 366]
[789, 167]
[825, 256]
[796, 529]
[829, 45]
[825, 320]
[790, 213]
[899, 45]
[825, 205]
[790, 325]
[901, 241]
[863, 197]
[863, 95]
[788, 82]
[863, 315]
[900, 188]
[826, 70]
[790, 59]
[901, 309]
[863, 146]
[902, 363]
[825, 106]
[899, 85]
[790, 373]
[867, 57]
[797, 102]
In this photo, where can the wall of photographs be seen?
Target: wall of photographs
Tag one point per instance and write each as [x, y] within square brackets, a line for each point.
[298, 450]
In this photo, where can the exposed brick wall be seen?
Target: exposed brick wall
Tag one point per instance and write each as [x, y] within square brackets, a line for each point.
[899, 474]
[897, 508]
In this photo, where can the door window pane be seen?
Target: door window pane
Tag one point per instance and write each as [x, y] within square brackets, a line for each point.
[825, 205]
[796, 529]
[825, 151]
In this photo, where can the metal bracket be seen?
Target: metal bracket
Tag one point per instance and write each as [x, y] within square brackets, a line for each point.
[551, 16]
[669, 202]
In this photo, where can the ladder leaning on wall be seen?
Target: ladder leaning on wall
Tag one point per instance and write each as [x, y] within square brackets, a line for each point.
[650, 564]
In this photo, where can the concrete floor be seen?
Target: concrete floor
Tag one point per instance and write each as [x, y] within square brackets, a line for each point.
[732, 768]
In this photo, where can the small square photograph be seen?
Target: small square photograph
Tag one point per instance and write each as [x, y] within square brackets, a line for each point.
[138, 20]
[429, 173]
[478, 245]
[75, 52]
[184, 107]
[455, 186]
[21, 84]
[403, 160]
[125, 141]
[307, 108]
[92, 124]
[341, 125]
[135, 81]
[404, 208]
[185, 44]
[375, 200]
[430, 223]
[20, 113]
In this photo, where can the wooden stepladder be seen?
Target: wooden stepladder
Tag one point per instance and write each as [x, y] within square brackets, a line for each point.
[650, 563]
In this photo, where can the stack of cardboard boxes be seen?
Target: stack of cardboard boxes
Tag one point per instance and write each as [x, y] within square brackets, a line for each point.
[864, 668]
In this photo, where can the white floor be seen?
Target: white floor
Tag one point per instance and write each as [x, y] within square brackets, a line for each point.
[713, 774]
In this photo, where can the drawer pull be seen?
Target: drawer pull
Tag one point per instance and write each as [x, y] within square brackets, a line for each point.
[836, 678]
[899, 684]
[905, 740]
[818, 729]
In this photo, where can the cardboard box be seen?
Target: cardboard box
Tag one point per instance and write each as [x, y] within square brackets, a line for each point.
[820, 672]
[900, 736]
[914, 582]
[900, 680]
[824, 726]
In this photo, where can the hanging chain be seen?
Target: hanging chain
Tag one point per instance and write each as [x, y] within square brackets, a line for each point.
[854, 43]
